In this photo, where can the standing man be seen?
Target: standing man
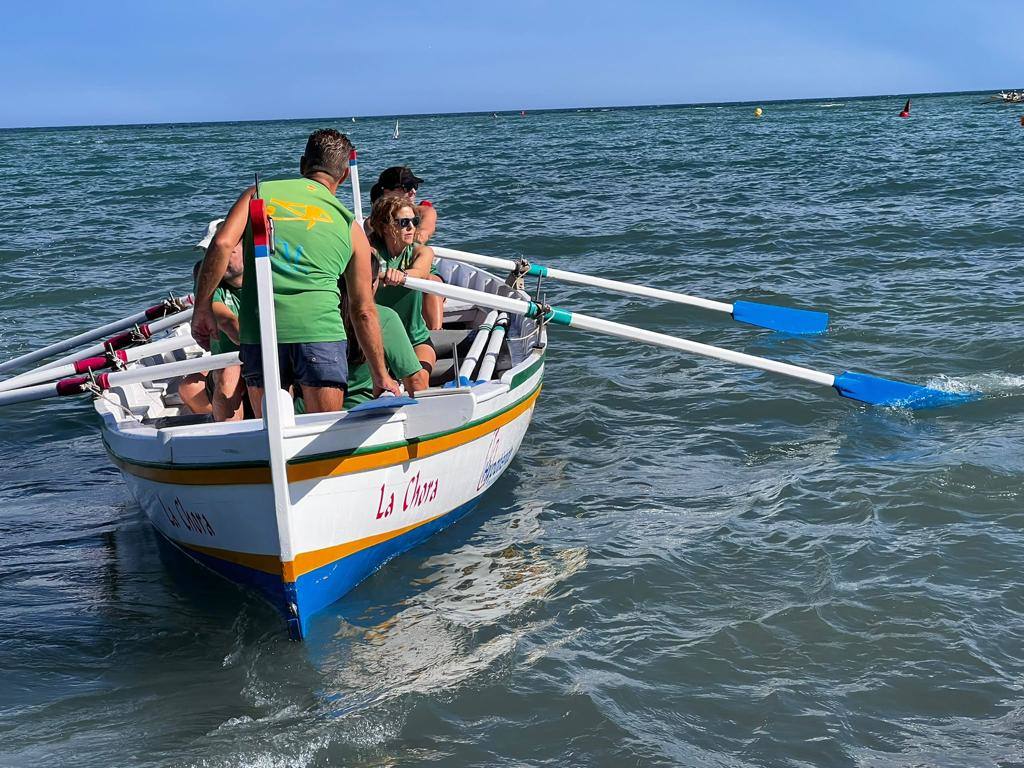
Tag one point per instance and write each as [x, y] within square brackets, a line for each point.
[228, 386]
[317, 242]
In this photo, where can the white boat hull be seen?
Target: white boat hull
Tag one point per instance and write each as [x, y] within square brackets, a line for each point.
[363, 488]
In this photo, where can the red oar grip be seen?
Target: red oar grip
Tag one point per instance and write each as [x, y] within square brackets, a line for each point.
[126, 339]
[93, 363]
[75, 386]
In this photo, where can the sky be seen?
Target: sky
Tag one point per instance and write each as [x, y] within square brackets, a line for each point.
[146, 61]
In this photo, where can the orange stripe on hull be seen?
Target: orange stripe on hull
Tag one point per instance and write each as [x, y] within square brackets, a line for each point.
[307, 561]
[334, 466]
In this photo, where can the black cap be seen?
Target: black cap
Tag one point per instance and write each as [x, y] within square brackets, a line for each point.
[399, 176]
[394, 177]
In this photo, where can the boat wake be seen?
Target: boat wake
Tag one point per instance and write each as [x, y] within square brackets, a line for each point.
[988, 384]
[460, 626]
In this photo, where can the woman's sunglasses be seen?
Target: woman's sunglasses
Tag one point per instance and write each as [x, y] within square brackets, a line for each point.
[406, 223]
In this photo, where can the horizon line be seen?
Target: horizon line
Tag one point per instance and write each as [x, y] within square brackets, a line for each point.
[741, 102]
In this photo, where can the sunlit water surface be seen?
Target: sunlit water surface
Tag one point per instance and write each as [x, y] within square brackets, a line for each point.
[687, 563]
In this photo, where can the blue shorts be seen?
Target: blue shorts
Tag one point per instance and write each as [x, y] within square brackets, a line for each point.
[312, 364]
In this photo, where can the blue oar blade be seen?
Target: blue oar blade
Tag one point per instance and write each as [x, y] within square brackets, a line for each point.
[776, 318]
[878, 391]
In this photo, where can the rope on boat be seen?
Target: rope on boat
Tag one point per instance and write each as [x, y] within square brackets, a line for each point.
[519, 271]
[97, 392]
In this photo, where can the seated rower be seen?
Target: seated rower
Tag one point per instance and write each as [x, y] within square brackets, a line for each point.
[195, 390]
[400, 180]
[393, 222]
[399, 354]
[228, 386]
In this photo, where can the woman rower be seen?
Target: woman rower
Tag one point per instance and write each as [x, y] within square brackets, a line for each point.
[400, 180]
[399, 353]
[393, 222]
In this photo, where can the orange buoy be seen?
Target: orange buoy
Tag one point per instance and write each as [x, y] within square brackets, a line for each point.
[906, 109]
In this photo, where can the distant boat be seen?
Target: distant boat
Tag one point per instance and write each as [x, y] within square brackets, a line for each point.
[353, 119]
[395, 134]
[906, 109]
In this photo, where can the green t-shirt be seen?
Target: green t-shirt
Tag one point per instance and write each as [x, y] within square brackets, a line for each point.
[229, 297]
[312, 249]
[398, 354]
[407, 303]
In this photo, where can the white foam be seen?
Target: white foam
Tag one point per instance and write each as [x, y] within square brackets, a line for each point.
[989, 384]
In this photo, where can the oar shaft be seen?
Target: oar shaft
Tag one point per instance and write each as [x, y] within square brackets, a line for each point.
[574, 320]
[88, 364]
[638, 290]
[120, 342]
[168, 370]
[77, 385]
[580, 279]
[490, 360]
[26, 394]
[477, 347]
[152, 313]
[776, 318]
[632, 333]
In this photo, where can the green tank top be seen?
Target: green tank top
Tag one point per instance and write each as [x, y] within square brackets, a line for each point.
[312, 249]
[408, 304]
[228, 296]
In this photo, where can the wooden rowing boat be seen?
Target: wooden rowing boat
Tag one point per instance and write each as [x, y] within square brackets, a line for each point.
[363, 486]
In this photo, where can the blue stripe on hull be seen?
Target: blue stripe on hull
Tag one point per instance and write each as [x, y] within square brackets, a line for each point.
[271, 587]
[317, 589]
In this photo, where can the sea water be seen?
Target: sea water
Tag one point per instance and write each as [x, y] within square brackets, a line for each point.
[688, 563]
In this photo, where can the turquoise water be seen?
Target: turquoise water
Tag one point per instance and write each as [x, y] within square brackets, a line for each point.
[688, 563]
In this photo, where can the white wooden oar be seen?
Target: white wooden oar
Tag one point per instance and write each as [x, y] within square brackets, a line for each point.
[146, 330]
[776, 318]
[493, 348]
[80, 384]
[90, 364]
[856, 386]
[469, 362]
[170, 306]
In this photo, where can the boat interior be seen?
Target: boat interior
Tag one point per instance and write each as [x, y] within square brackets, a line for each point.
[157, 405]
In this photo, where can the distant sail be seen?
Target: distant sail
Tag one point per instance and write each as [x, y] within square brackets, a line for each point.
[395, 134]
[906, 109]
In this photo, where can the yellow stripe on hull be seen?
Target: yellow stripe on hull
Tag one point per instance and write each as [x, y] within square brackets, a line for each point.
[307, 561]
[334, 466]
